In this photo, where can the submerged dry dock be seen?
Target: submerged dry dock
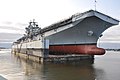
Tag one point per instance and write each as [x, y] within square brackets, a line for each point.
[72, 39]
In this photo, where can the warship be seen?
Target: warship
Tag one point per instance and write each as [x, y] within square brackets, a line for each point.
[77, 35]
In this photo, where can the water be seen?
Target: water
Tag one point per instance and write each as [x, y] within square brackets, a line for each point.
[105, 67]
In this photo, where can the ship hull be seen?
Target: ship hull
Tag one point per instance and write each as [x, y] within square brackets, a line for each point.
[87, 49]
[86, 31]
[77, 40]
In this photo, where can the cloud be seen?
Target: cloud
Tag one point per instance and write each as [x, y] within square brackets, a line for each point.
[111, 35]
[7, 22]
[11, 31]
[114, 30]
[9, 36]
[10, 28]
[7, 40]
[21, 24]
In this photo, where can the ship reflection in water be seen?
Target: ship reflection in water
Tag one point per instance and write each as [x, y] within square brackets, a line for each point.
[104, 68]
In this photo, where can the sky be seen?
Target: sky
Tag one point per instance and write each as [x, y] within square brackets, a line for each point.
[15, 15]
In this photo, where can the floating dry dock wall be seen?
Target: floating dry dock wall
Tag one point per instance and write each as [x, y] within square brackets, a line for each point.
[35, 49]
[39, 51]
[70, 39]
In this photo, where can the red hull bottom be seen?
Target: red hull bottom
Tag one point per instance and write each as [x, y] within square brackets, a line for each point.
[77, 49]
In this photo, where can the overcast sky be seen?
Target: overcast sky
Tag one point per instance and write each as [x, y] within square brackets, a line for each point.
[15, 14]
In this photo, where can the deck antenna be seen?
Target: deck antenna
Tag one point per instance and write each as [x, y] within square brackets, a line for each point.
[95, 5]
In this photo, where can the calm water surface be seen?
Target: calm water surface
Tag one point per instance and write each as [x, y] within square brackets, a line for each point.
[105, 67]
